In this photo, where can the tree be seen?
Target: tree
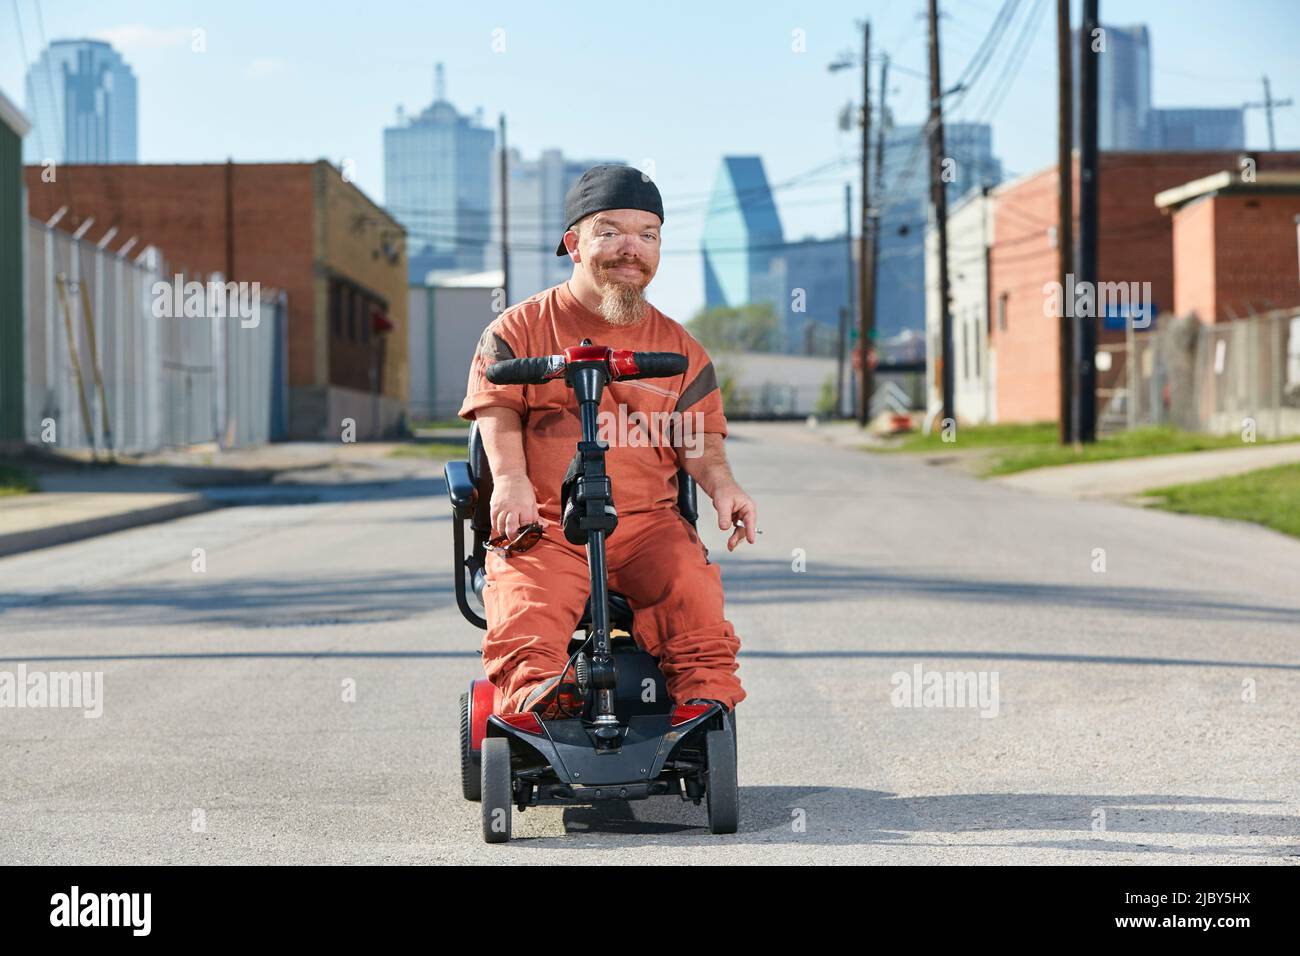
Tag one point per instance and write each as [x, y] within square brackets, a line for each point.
[747, 328]
[826, 399]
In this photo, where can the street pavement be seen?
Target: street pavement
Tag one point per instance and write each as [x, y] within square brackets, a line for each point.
[295, 700]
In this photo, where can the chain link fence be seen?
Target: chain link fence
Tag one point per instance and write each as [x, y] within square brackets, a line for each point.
[1220, 379]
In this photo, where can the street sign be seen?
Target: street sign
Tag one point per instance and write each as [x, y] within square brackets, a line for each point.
[1143, 315]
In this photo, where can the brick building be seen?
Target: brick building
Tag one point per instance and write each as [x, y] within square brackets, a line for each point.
[298, 227]
[1135, 245]
[1234, 242]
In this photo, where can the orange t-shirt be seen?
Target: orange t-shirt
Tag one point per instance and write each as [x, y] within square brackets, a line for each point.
[646, 423]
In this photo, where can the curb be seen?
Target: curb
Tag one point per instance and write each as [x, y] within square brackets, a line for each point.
[21, 541]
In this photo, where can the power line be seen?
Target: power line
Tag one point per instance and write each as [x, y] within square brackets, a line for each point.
[971, 74]
[22, 47]
[49, 78]
[983, 55]
[1014, 62]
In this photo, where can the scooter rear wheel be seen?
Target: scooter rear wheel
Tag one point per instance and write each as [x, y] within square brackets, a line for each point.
[470, 779]
[497, 793]
[723, 790]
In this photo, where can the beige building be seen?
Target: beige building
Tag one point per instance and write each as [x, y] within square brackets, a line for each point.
[970, 234]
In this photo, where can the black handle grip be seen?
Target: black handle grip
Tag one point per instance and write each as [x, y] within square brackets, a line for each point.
[658, 364]
[524, 371]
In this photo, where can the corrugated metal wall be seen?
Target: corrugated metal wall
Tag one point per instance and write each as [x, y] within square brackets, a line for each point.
[114, 363]
[12, 214]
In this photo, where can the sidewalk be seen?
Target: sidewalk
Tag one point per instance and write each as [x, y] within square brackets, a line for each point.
[44, 519]
[1131, 477]
[845, 434]
[81, 499]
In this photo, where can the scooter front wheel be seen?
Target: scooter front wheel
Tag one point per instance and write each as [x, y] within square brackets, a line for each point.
[722, 789]
[496, 792]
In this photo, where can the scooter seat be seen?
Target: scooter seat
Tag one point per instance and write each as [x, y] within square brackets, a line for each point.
[620, 613]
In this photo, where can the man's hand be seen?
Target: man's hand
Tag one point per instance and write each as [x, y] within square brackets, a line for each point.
[738, 509]
[514, 504]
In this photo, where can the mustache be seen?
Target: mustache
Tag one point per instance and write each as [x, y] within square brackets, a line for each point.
[614, 264]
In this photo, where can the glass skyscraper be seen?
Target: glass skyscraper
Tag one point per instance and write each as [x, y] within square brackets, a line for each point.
[1126, 118]
[438, 184]
[742, 236]
[747, 261]
[905, 209]
[1123, 88]
[1199, 127]
[81, 96]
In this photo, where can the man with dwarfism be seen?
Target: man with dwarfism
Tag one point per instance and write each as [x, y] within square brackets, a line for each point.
[534, 598]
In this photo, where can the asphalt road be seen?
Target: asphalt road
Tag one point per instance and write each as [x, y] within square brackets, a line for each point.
[1147, 713]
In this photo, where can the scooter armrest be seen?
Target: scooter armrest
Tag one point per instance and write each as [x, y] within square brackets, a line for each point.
[460, 489]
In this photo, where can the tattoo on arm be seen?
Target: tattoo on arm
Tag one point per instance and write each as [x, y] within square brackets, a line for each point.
[493, 348]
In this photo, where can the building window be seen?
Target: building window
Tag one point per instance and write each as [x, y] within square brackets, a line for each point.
[1002, 312]
[352, 312]
[975, 331]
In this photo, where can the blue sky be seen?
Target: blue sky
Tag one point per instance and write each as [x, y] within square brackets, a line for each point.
[675, 84]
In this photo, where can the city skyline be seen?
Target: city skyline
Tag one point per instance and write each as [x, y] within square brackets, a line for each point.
[437, 182]
[696, 85]
[82, 97]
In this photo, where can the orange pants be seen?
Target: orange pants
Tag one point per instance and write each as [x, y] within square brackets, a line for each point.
[534, 601]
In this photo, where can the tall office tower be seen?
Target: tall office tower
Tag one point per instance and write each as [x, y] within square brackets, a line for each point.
[1197, 128]
[907, 160]
[81, 96]
[536, 218]
[1123, 88]
[815, 275]
[904, 205]
[742, 237]
[1126, 118]
[438, 184]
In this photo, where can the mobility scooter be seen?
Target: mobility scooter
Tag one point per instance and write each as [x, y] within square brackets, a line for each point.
[627, 740]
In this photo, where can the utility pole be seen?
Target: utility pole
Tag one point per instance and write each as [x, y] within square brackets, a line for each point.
[505, 219]
[876, 217]
[1065, 217]
[1268, 105]
[1086, 395]
[939, 200]
[848, 308]
[867, 293]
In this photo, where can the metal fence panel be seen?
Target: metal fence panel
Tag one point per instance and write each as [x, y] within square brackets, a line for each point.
[1225, 378]
[114, 364]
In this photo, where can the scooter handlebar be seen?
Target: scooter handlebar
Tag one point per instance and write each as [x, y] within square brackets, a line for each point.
[657, 365]
[622, 364]
[526, 371]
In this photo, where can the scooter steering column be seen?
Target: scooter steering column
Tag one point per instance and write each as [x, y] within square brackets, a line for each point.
[593, 497]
